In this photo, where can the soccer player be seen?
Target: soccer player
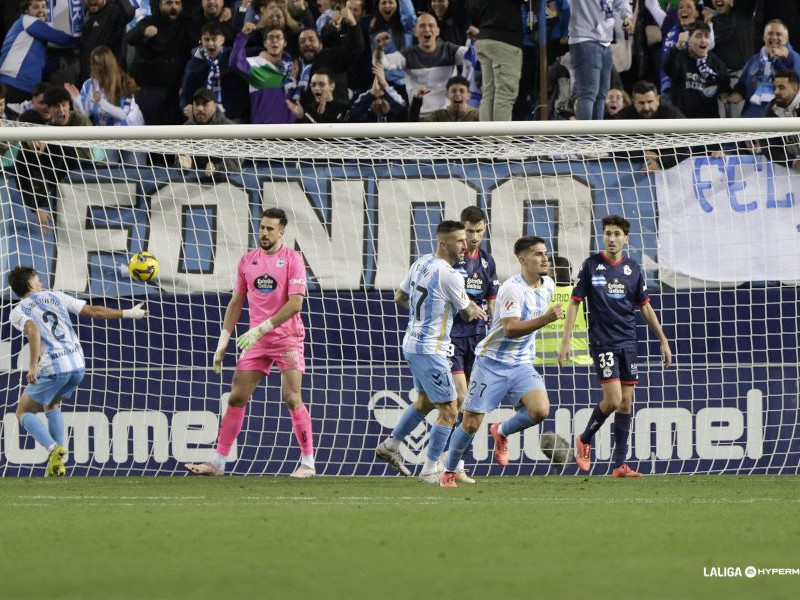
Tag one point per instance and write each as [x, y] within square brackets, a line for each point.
[504, 358]
[273, 279]
[56, 357]
[432, 292]
[480, 280]
[613, 286]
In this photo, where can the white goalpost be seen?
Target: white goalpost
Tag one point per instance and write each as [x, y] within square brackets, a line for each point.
[716, 228]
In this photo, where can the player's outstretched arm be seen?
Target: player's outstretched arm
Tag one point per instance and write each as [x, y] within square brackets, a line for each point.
[472, 312]
[513, 327]
[35, 347]
[565, 351]
[651, 318]
[104, 312]
[293, 306]
[401, 299]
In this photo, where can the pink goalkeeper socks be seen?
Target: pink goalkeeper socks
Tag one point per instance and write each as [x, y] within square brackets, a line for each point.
[229, 428]
[301, 423]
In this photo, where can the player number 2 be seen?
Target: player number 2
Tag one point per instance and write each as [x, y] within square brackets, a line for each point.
[606, 359]
[51, 319]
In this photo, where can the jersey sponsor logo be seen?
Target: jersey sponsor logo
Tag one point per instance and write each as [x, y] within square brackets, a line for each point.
[509, 305]
[484, 263]
[634, 368]
[474, 283]
[297, 281]
[265, 283]
[616, 289]
[598, 281]
[627, 270]
[600, 268]
[280, 263]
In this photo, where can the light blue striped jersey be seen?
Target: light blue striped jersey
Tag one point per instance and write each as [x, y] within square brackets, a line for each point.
[436, 292]
[61, 349]
[516, 299]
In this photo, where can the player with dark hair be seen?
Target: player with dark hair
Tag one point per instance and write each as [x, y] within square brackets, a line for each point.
[56, 365]
[273, 280]
[613, 286]
[432, 292]
[504, 363]
[481, 283]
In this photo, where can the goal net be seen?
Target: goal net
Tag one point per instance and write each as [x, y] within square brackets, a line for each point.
[716, 228]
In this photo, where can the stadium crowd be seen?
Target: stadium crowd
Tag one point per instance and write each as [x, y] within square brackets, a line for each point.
[133, 62]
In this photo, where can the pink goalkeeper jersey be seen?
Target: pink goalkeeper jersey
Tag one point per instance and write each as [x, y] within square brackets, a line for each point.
[269, 280]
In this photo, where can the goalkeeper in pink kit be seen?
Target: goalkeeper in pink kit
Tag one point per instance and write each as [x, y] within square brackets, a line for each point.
[273, 279]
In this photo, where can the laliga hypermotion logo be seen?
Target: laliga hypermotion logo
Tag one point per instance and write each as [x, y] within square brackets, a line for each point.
[386, 408]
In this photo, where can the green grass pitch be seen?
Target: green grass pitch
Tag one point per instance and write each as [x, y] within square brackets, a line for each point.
[385, 538]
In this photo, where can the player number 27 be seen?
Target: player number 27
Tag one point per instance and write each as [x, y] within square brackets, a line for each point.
[606, 359]
[473, 386]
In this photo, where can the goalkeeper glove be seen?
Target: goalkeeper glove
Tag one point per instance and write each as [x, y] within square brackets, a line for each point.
[248, 340]
[137, 312]
[222, 346]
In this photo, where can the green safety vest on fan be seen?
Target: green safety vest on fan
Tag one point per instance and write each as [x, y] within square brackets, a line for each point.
[548, 338]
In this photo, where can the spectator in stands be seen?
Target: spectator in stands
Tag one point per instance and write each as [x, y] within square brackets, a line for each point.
[22, 58]
[674, 26]
[337, 59]
[457, 108]
[163, 44]
[359, 75]
[210, 67]
[429, 64]
[454, 20]
[755, 86]
[786, 103]
[41, 165]
[35, 103]
[325, 13]
[591, 30]
[787, 12]
[647, 105]
[616, 100]
[699, 79]
[273, 14]
[269, 75]
[735, 40]
[107, 98]
[213, 11]
[399, 23]
[205, 111]
[104, 25]
[499, 49]
[379, 104]
[321, 108]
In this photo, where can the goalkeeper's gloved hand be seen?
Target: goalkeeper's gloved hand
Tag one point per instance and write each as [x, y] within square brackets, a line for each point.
[222, 346]
[137, 312]
[248, 340]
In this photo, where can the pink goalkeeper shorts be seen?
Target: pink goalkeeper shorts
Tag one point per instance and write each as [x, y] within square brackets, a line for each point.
[260, 358]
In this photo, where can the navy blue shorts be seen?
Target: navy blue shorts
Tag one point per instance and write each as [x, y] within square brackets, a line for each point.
[616, 364]
[462, 354]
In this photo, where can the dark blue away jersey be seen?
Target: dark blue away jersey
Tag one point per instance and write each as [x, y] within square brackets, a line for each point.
[613, 292]
[480, 279]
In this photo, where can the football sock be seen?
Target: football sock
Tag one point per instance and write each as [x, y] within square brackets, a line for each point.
[38, 430]
[436, 444]
[459, 442]
[392, 443]
[307, 460]
[409, 420]
[218, 461]
[622, 429]
[301, 423]
[55, 425]
[595, 423]
[521, 420]
[229, 429]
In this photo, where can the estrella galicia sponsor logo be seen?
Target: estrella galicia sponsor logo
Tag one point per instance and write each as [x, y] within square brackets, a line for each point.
[265, 283]
[474, 284]
[616, 288]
